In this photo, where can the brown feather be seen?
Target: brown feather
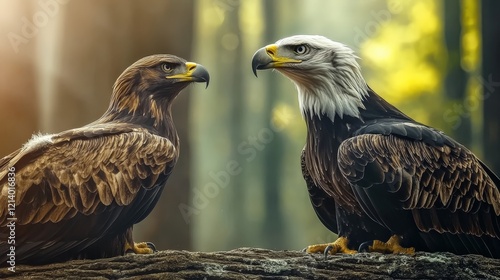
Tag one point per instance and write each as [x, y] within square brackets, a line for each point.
[450, 177]
[74, 190]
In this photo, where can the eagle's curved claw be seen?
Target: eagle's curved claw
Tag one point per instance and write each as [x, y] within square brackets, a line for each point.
[152, 246]
[365, 246]
[338, 246]
[327, 250]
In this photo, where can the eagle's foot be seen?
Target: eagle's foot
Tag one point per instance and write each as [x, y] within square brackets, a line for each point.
[338, 246]
[391, 246]
[141, 248]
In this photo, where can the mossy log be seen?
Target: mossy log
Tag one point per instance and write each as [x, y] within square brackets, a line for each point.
[253, 263]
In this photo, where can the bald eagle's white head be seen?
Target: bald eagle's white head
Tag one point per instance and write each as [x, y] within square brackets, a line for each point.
[327, 76]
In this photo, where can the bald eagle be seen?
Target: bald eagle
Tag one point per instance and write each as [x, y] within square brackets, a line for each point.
[77, 194]
[373, 173]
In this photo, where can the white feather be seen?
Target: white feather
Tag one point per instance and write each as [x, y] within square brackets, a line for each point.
[330, 82]
[37, 141]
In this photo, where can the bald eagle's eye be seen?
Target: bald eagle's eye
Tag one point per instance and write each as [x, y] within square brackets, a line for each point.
[167, 67]
[300, 49]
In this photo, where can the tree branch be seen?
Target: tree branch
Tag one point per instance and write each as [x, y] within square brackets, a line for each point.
[248, 263]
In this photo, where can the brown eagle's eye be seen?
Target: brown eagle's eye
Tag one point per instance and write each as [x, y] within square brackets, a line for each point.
[167, 67]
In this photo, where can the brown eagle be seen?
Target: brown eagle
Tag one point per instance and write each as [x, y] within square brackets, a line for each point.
[374, 173]
[77, 194]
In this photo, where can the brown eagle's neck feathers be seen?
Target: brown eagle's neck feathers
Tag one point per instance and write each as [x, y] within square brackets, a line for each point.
[136, 100]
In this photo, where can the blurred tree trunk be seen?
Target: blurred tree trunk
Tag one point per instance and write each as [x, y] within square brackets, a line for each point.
[491, 81]
[96, 41]
[229, 40]
[456, 77]
[273, 228]
[18, 99]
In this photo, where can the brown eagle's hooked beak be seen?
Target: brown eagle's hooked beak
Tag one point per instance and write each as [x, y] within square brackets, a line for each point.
[195, 73]
[267, 57]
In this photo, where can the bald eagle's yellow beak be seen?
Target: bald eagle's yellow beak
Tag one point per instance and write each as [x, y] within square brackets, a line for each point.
[267, 57]
[194, 73]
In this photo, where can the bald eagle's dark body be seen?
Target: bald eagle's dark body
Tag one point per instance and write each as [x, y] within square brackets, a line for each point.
[371, 171]
[373, 194]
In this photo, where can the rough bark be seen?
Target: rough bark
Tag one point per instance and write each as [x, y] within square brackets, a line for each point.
[252, 263]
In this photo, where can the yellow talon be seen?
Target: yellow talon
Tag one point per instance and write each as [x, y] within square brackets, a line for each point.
[338, 246]
[391, 246]
[140, 248]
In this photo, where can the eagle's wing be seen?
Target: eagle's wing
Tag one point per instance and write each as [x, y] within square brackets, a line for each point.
[413, 175]
[72, 187]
